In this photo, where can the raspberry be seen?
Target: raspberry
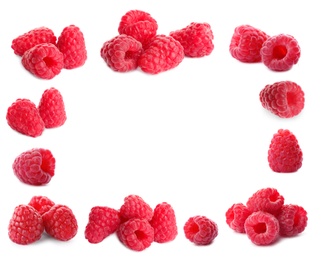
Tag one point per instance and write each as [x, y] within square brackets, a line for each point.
[44, 60]
[196, 39]
[236, 216]
[35, 166]
[32, 38]
[281, 52]
[41, 203]
[52, 108]
[139, 25]
[292, 219]
[71, 44]
[284, 98]
[161, 54]
[26, 225]
[23, 117]
[103, 221]
[121, 53]
[246, 43]
[60, 222]
[200, 230]
[164, 223]
[136, 234]
[285, 154]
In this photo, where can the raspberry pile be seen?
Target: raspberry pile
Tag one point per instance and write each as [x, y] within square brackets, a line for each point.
[139, 45]
[265, 217]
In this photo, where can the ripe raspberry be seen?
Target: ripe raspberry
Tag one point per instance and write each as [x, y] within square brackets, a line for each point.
[103, 221]
[196, 39]
[246, 43]
[284, 98]
[71, 44]
[52, 108]
[26, 225]
[44, 60]
[30, 39]
[35, 166]
[135, 207]
[121, 53]
[281, 52]
[136, 234]
[164, 223]
[285, 154]
[200, 230]
[60, 222]
[262, 228]
[161, 54]
[236, 216]
[41, 203]
[292, 219]
[139, 25]
[23, 117]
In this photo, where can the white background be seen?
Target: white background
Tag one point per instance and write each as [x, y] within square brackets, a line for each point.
[196, 136]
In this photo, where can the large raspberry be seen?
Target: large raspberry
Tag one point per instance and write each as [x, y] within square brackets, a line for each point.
[41, 203]
[236, 216]
[35, 166]
[196, 38]
[284, 98]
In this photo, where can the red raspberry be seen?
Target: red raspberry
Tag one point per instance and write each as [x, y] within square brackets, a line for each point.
[292, 219]
[136, 234]
[161, 54]
[60, 222]
[52, 108]
[41, 203]
[35, 166]
[103, 221]
[164, 223]
[284, 98]
[23, 117]
[281, 52]
[285, 154]
[236, 216]
[26, 225]
[200, 230]
[30, 39]
[139, 25]
[196, 39]
[71, 44]
[44, 60]
[262, 228]
[246, 43]
[121, 53]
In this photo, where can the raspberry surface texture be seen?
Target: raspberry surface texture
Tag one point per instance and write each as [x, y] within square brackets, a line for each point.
[284, 98]
[41, 203]
[280, 52]
[236, 216]
[285, 154]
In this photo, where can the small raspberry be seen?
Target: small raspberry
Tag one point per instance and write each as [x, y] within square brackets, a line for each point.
[284, 98]
[262, 228]
[236, 216]
[164, 223]
[292, 219]
[161, 54]
[44, 60]
[52, 108]
[121, 53]
[102, 222]
[23, 117]
[26, 225]
[136, 234]
[196, 39]
[35, 166]
[71, 44]
[41, 203]
[32, 38]
[281, 52]
[200, 230]
[246, 43]
[285, 154]
[60, 222]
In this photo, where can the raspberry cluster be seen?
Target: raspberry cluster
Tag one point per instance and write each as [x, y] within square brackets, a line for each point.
[265, 217]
